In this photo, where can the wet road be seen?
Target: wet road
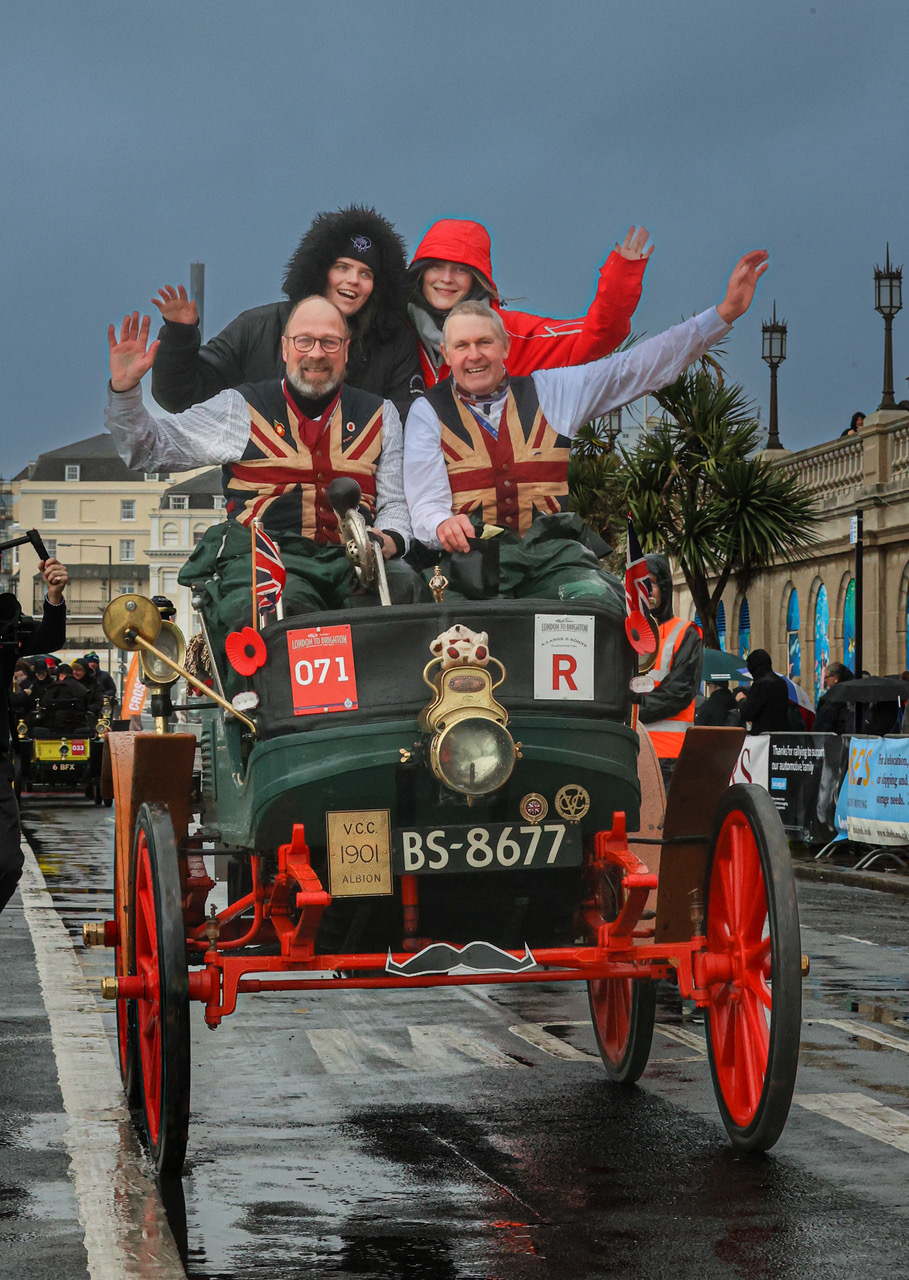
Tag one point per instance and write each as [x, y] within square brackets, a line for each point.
[471, 1133]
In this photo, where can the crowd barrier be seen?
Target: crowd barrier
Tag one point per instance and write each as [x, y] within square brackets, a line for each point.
[827, 786]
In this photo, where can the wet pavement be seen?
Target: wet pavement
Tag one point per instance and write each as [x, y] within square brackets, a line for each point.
[472, 1133]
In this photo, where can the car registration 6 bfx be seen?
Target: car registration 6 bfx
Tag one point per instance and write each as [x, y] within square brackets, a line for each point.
[495, 847]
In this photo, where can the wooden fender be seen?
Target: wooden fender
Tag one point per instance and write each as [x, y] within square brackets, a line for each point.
[145, 767]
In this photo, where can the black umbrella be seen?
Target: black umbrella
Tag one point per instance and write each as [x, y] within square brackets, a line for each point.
[870, 689]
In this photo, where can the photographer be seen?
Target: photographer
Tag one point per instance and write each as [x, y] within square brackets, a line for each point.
[16, 640]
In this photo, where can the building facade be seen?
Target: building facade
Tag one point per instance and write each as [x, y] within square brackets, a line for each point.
[187, 508]
[803, 612]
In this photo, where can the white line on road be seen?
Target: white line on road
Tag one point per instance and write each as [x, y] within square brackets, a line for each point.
[444, 1049]
[862, 1114]
[126, 1232]
[863, 1030]
[533, 1033]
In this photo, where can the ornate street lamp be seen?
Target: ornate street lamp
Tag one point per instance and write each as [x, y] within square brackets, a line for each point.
[613, 427]
[773, 351]
[888, 300]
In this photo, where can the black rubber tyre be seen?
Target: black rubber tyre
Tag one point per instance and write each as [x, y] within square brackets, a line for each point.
[754, 984]
[162, 1016]
[623, 1014]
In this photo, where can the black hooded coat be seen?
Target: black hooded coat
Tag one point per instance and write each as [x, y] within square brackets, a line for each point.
[766, 704]
[677, 689]
[383, 355]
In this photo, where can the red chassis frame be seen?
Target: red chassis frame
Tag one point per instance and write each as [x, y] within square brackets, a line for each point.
[619, 952]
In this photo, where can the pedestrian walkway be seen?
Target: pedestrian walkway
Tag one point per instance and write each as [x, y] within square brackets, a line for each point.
[40, 1232]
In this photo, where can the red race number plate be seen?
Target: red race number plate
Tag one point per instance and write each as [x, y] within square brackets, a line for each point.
[322, 676]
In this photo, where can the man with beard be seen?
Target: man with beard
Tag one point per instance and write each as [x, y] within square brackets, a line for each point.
[280, 444]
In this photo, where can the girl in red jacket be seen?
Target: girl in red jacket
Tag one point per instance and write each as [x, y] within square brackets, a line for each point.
[453, 262]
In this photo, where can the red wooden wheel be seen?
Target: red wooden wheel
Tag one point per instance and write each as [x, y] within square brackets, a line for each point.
[752, 968]
[623, 1013]
[126, 1009]
[622, 1010]
[162, 1014]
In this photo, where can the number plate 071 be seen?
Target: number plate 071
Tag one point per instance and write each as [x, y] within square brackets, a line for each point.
[496, 847]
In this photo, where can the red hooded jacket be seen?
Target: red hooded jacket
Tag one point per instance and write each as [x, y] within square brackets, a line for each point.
[536, 341]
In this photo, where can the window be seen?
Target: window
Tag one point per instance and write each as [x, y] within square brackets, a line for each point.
[51, 544]
[219, 502]
[169, 584]
[127, 550]
[793, 645]
[127, 588]
[821, 640]
[721, 624]
[744, 629]
[71, 471]
[48, 508]
[127, 508]
[198, 534]
[179, 502]
[170, 536]
[154, 475]
[849, 627]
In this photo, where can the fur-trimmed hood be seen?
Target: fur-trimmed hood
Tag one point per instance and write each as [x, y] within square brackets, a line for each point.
[333, 236]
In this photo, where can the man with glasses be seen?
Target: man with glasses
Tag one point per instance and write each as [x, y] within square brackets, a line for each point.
[280, 443]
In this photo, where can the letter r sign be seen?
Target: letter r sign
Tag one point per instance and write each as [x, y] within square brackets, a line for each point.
[563, 657]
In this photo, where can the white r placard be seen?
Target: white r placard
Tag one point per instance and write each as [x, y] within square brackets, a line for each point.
[563, 648]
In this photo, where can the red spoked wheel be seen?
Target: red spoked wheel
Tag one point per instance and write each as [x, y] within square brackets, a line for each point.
[162, 1014]
[126, 1009]
[623, 1010]
[623, 1013]
[752, 968]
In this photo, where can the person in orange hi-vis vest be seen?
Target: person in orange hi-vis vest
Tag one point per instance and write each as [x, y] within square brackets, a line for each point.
[669, 710]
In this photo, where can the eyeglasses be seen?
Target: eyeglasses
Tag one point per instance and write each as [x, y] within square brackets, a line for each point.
[304, 342]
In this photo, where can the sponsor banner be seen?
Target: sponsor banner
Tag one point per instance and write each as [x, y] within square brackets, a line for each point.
[804, 773]
[877, 790]
[563, 657]
[753, 762]
[134, 691]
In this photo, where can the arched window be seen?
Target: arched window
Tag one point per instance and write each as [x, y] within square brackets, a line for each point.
[170, 536]
[793, 646]
[744, 629]
[849, 627]
[821, 640]
[721, 624]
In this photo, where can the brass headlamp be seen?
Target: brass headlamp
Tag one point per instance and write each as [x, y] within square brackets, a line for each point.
[470, 749]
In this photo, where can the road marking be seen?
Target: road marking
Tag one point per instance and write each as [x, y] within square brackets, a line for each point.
[126, 1231]
[690, 1039]
[535, 1034]
[441, 1049]
[866, 1116]
[863, 1030]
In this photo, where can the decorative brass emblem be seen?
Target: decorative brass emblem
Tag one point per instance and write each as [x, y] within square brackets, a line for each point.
[467, 683]
[437, 584]
[534, 807]
[572, 802]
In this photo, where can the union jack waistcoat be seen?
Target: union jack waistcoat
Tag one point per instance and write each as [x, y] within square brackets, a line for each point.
[282, 481]
[513, 478]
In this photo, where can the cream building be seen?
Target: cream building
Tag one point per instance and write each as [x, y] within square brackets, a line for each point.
[187, 508]
[802, 612]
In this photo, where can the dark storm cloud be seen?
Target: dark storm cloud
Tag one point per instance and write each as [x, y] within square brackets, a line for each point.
[138, 138]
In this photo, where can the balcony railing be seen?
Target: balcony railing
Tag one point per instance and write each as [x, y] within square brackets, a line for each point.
[835, 471]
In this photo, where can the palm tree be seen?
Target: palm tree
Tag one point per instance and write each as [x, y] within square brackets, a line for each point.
[694, 491]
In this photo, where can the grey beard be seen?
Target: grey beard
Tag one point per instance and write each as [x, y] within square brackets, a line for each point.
[309, 389]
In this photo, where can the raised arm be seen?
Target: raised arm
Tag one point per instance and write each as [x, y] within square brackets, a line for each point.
[130, 356]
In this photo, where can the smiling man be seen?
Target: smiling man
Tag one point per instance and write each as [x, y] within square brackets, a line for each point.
[484, 448]
[279, 443]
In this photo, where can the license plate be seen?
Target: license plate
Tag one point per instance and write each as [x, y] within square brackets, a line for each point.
[359, 853]
[49, 749]
[497, 846]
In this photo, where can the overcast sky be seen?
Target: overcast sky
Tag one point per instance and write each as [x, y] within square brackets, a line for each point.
[138, 138]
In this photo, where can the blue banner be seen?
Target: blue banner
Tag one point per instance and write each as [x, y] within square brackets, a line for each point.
[877, 791]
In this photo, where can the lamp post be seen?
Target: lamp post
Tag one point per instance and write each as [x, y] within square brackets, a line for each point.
[888, 300]
[773, 351]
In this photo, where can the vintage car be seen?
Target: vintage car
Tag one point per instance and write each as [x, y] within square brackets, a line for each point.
[432, 795]
[58, 753]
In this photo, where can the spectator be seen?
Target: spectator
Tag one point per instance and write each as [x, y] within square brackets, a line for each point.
[855, 425]
[103, 679]
[82, 674]
[719, 708]
[835, 717]
[354, 258]
[766, 704]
